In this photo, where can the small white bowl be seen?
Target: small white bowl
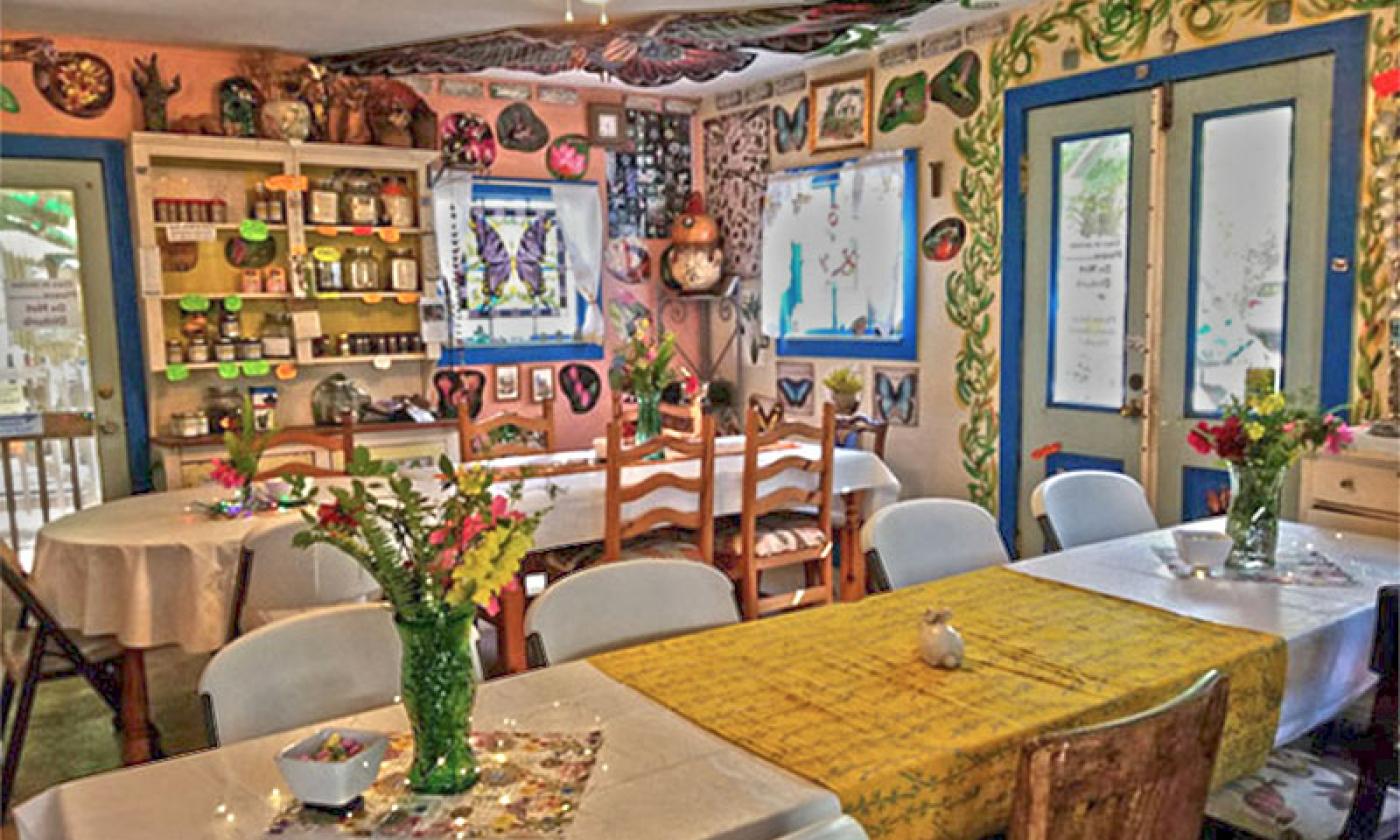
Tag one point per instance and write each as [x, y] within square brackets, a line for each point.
[331, 784]
[1202, 549]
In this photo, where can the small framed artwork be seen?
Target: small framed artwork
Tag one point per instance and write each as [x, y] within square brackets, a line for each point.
[541, 384]
[841, 112]
[607, 124]
[896, 395]
[507, 383]
[797, 384]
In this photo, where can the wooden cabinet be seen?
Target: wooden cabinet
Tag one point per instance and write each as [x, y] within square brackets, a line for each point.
[1358, 490]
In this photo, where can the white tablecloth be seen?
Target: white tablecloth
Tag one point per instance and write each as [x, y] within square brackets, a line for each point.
[657, 775]
[1328, 629]
[153, 572]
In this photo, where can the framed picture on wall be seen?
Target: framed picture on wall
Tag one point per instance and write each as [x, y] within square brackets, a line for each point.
[607, 124]
[541, 384]
[840, 112]
[507, 383]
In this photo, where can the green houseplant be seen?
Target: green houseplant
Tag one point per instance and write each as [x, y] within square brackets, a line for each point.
[845, 386]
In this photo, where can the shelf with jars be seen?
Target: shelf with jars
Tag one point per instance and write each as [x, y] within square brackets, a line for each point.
[259, 257]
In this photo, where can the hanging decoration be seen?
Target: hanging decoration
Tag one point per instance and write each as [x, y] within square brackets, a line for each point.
[904, 102]
[959, 85]
[582, 386]
[645, 51]
[736, 166]
[80, 84]
[944, 240]
[399, 117]
[627, 260]
[239, 103]
[567, 157]
[468, 142]
[153, 90]
[649, 176]
[519, 129]
[796, 382]
[459, 387]
[790, 128]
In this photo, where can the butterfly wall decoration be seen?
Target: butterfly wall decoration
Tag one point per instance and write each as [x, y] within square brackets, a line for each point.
[458, 388]
[896, 393]
[790, 128]
[797, 383]
[582, 386]
[499, 265]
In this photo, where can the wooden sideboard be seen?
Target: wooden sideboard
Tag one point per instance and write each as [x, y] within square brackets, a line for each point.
[1357, 490]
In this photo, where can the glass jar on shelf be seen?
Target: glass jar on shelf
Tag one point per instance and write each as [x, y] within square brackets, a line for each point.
[361, 269]
[224, 405]
[174, 352]
[229, 325]
[327, 275]
[198, 352]
[359, 198]
[323, 203]
[277, 335]
[396, 202]
[403, 269]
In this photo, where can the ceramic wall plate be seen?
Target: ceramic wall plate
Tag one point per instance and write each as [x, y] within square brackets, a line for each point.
[468, 142]
[456, 388]
[582, 386]
[519, 129]
[959, 85]
[241, 253]
[944, 240]
[904, 102]
[80, 84]
[567, 157]
[628, 260]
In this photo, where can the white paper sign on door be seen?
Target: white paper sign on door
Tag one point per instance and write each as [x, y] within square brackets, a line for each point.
[43, 303]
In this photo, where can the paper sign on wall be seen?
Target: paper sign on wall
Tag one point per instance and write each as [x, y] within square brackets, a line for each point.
[47, 303]
[190, 232]
[21, 425]
[306, 324]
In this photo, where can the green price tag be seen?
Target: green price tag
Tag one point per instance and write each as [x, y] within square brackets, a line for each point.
[233, 303]
[228, 370]
[253, 230]
[325, 253]
[194, 303]
[256, 367]
[177, 373]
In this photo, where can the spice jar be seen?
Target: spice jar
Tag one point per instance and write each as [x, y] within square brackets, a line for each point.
[262, 204]
[275, 280]
[229, 325]
[250, 349]
[323, 203]
[403, 270]
[218, 211]
[327, 274]
[198, 351]
[362, 270]
[226, 350]
[342, 345]
[277, 335]
[396, 203]
[174, 352]
[359, 198]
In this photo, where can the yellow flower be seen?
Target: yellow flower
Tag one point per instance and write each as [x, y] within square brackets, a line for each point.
[1254, 430]
[1273, 403]
[489, 565]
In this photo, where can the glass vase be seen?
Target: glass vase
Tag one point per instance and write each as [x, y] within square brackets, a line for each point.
[648, 417]
[1256, 500]
[439, 688]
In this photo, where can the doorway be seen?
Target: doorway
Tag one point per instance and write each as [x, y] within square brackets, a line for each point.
[1165, 241]
[64, 412]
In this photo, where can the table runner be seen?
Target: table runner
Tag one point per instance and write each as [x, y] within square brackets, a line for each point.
[839, 694]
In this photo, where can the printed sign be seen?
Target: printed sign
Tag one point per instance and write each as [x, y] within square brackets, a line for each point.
[49, 303]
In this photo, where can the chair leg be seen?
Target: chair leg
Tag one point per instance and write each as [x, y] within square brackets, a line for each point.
[1364, 818]
[15, 743]
[6, 695]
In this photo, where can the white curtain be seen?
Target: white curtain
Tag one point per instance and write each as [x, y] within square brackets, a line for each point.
[452, 202]
[580, 213]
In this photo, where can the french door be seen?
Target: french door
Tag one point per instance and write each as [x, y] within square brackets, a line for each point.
[1175, 238]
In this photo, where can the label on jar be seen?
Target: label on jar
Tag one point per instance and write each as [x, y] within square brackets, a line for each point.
[322, 207]
[277, 346]
[359, 210]
[403, 275]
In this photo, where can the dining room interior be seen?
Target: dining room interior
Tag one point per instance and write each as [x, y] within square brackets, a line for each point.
[735, 419]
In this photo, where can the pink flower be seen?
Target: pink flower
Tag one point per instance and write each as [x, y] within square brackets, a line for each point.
[471, 526]
[500, 506]
[493, 606]
[437, 537]
[226, 474]
[1338, 436]
[1289, 427]
[1199, 438]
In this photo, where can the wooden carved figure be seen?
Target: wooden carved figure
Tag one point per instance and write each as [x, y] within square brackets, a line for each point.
[154, 92]
[313, 84]
[348, 121]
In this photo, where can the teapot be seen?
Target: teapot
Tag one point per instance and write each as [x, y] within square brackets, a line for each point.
[337, 398]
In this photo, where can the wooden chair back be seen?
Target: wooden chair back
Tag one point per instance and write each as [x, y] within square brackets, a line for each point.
[1145, 776]
[681, 419]
[861, 431]
[770, 410]
[802, 498]
[474, 436]
[699, 482]
[342, 442]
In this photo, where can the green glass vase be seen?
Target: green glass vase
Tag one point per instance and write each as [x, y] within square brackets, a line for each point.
[439, 688]
[648, 416]
[1256, 502]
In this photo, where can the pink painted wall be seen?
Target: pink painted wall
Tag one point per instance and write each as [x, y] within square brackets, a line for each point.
[202, 69]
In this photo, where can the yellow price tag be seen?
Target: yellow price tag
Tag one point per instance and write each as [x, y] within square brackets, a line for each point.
[286, 183]
[407, 298]
[327, 230]
[388, 235]
[373, 297]
[325, 253]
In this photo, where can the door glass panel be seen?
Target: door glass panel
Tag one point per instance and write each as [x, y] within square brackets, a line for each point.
[1089, 270]
[1242, 178]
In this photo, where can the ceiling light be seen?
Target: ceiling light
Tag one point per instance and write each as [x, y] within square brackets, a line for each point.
[568, 11]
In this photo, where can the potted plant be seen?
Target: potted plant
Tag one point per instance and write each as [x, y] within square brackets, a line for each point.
[438, 560]
[1259, 438]
[845, 386]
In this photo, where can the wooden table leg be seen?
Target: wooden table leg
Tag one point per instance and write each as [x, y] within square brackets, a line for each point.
[136, 712]
[852, 558]
[511, 638]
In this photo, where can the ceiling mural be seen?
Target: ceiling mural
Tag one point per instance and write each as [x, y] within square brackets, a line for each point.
[646, 51]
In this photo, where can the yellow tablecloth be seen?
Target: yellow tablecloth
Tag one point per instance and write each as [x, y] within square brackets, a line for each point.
[839, 694]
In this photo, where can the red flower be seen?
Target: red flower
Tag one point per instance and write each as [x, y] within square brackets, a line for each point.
[332, 516]
[1230, 439]
[692, 385]
[1200, 438]
[226, 474]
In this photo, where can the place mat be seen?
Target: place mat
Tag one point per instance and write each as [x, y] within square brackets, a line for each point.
[840, 695]
[1291, 568]
[530, 787]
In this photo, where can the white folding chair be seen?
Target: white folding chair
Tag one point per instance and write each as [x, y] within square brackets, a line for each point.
[324, 664]
[1088, 506]
[277, 580]
[840, 828]
[622, 604]
[920, 540]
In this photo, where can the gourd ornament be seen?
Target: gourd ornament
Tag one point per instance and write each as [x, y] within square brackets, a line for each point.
[694, 262]
[940, 645]
[694, 226]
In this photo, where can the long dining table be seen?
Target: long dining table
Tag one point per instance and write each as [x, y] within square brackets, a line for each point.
[665, 772]
[155, 570]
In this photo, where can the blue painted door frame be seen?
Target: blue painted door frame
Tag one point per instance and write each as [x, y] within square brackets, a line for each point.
[1345, 41]
[111, 155]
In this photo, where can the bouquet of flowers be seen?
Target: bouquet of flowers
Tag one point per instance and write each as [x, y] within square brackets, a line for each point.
[1259, 438]
[642, 366]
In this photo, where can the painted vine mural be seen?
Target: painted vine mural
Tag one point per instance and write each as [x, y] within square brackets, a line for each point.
[1109, 30]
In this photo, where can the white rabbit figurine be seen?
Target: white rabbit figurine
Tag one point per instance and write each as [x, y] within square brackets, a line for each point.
[940, 645]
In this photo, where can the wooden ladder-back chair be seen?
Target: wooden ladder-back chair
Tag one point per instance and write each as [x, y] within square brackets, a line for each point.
[789, 526]
[474, 436]
[770, 410]
[653, 533]
[681, 419]
[861, 431]
[341, 441]
[1145, 776]
[39, 650]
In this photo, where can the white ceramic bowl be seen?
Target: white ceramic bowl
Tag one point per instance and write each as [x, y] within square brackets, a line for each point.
[331, 784]
[1202, 549]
